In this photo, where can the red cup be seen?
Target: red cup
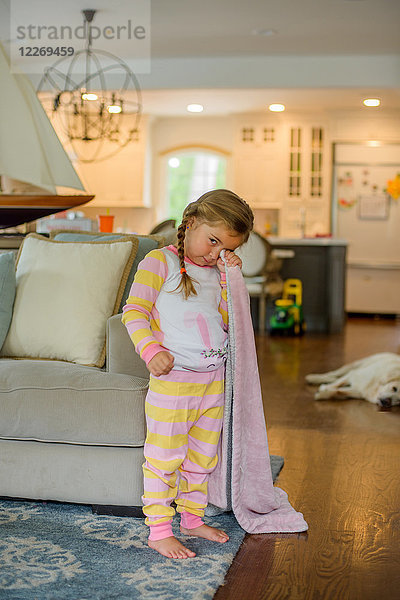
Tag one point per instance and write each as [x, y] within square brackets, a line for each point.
[106, 223]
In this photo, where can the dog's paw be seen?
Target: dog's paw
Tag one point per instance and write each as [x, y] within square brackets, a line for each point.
[322, 393]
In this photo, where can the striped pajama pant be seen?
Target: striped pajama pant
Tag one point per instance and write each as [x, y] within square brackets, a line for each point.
[184, 414]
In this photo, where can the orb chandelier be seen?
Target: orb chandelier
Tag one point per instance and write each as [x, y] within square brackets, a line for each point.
[95, 99]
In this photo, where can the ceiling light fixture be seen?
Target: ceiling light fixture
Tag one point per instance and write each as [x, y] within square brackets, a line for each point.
[276, 107]
[195, 108]
[97, 122]
[371, 102]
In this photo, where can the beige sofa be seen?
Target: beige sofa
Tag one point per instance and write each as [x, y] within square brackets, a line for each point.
[75, 433]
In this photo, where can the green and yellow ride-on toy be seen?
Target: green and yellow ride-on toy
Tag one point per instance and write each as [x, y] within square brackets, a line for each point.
[287, 317]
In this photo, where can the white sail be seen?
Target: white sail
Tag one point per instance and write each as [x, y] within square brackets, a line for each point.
[30, 150]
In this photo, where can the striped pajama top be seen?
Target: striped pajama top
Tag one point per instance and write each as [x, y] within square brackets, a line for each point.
[158, 317]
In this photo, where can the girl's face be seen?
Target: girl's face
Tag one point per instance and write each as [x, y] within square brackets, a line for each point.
[204, 242]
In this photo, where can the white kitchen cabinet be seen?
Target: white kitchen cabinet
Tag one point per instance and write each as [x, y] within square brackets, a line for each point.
[285, 166]
[373, 288]
[119, 181]
[306, 206]
[258, 163]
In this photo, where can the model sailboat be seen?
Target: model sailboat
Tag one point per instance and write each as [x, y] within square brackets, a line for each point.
[32, 159]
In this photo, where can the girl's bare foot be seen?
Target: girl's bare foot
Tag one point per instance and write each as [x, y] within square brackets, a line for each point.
[209, 533]
[171, 548]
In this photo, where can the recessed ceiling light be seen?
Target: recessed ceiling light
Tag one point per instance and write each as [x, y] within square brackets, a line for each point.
[371, 102]
[114, 109]
[264, 32]
[277, 107]
[195, 108]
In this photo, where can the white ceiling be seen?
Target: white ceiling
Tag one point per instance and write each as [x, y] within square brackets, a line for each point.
[324, 55]
[308, 27]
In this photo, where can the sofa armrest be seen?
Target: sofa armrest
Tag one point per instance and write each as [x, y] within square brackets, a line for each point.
[121, 356]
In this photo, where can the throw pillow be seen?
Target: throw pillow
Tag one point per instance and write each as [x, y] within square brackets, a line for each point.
[146, 244]
[65, 294]
[7, 292]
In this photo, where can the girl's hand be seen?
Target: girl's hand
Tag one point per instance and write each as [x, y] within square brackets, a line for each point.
[232, 260]
[161, 363]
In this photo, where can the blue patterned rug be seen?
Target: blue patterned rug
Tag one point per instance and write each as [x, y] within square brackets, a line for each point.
[51, 551]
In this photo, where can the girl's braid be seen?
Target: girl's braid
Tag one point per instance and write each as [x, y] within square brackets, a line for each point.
[181, 243]
[186, 283]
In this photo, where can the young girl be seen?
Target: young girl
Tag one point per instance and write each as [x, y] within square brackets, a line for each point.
[177, 318]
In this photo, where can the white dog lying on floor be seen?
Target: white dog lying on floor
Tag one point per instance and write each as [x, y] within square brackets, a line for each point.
[375, 378]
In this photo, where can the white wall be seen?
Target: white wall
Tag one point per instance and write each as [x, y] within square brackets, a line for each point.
[355, 126]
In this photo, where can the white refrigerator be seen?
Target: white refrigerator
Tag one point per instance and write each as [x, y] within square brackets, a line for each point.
[366, 213]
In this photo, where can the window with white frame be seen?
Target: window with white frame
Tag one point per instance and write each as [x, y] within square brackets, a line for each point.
[189, 175]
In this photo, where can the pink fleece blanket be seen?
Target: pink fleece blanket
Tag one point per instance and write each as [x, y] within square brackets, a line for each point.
[242, 481]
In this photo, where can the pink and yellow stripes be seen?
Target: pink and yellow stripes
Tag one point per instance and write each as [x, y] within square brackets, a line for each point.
[140, 317]
[184, 412]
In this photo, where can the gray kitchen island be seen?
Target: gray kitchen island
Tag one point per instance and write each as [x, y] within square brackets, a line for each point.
[320, 264]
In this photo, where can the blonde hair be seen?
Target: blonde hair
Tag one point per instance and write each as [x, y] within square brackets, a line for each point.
[217, 206]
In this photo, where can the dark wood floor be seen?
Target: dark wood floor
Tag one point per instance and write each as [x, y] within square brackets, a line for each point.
[342, 471]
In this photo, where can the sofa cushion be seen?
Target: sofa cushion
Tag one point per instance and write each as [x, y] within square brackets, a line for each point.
[7, 292]
[61, 402]
[146, 244]
[65, 294]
